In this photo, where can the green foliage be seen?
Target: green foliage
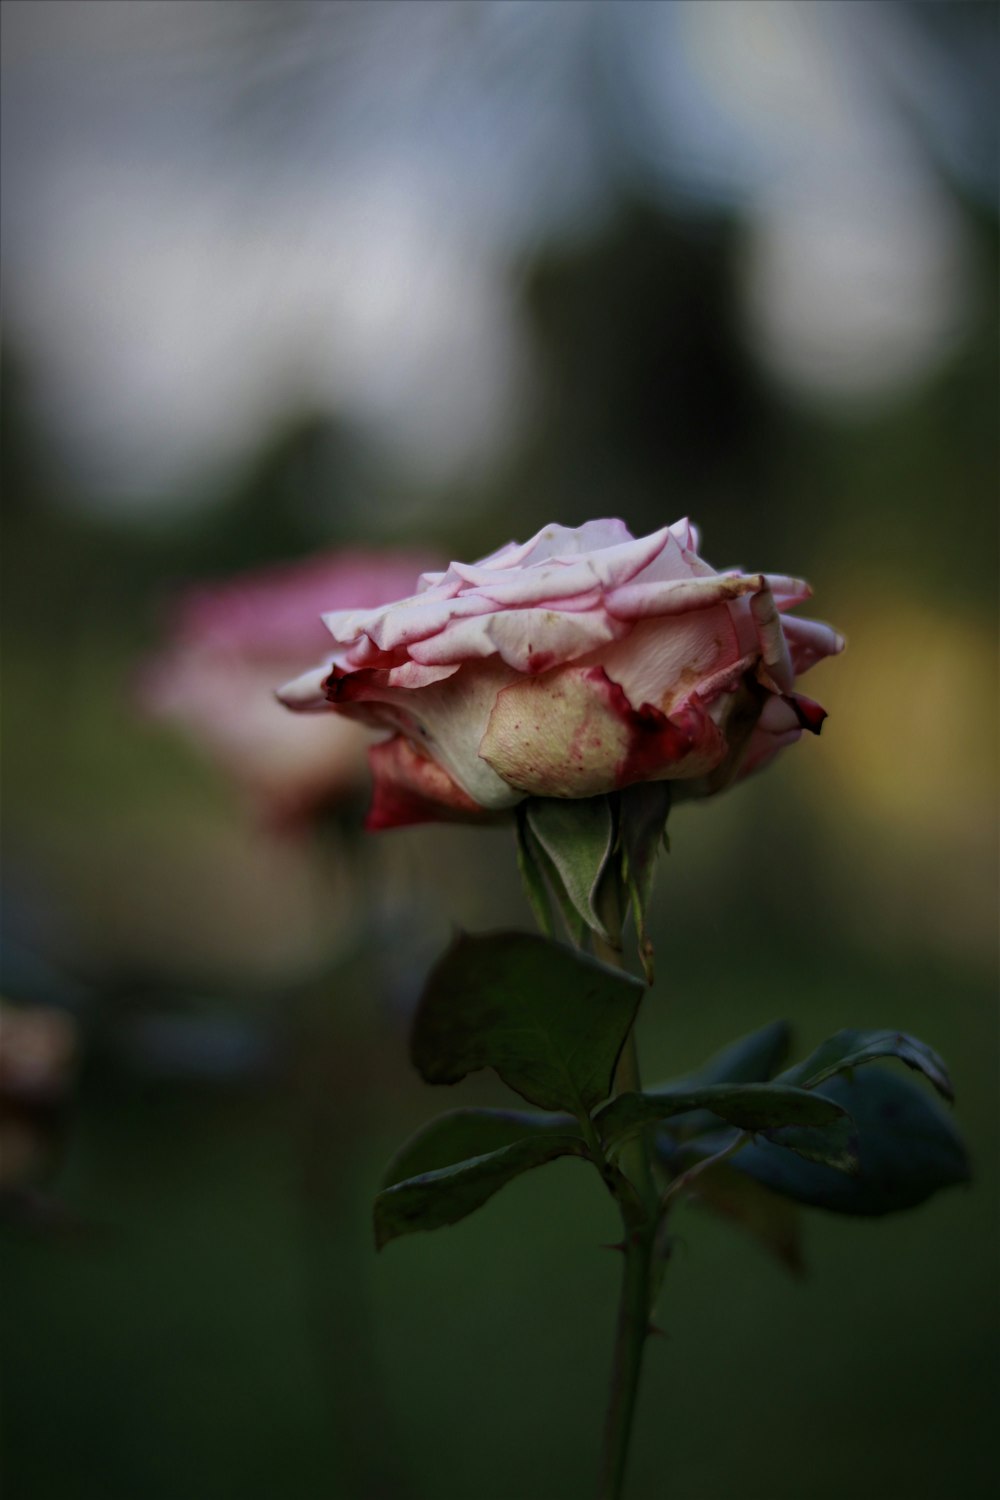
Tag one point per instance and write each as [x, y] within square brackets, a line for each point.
[794, 1118]
[849, 1049]
[573, 849]
[434, 1199]
[754, 1058]
[470, 1132]
[908, 1148]
[906, 1145]
[549, 1021]
[643, 810]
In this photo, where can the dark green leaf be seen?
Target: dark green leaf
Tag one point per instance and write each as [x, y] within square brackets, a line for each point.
[771, 1220]
[754, 1058]
[470, 1132]
[433, 1199]
[799, 1121]
[577, 836]
[908, 1149]
[550, 1021]
[642, 822]
[750, 1059]
[849, 1049]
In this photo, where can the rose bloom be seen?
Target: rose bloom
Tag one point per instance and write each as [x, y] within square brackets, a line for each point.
[230, 642]
[575, 664]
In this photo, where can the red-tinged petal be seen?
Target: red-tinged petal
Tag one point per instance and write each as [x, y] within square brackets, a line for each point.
[444, 718]
[809, 714]
[408, 788]
[307, 693]
[574, 733]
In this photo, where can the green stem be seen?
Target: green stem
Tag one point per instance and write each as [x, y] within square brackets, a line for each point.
[639, 1246]
[630, 1341]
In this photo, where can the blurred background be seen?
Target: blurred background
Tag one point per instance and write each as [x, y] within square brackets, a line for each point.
[287, 278]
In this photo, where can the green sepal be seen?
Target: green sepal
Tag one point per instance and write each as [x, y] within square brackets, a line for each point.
[540, 878]
[908, 1149]
[643, 810]
[577, 837]
[850, 1049]
[463, 1133]
[532, 876]
[434, 1199]
[796, 1119]
[549, 1021]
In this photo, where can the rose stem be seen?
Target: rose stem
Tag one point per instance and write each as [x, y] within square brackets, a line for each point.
[639, 1238]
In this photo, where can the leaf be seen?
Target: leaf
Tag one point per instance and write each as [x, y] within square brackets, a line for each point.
[642, 824]
[577, 835]
[434, 1199]
[750, 1059]
[908, 1148]
[470, 1132]
[773, 1221]
[550, 1021]
[849, 1049]
[793, 1118]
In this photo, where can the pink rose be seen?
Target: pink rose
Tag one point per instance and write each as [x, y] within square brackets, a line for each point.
[229, 643]
[577, 663]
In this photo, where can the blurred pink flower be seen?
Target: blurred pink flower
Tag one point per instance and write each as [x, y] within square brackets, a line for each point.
[228, 645]
[579, 662]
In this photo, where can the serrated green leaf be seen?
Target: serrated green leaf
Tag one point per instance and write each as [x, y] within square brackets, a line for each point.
[774, 1222]
[551, 1022]
[464, 1133]
[908, 1148]
[577, 836]
[642, 820]
[850, 1049]
[793, 1118]
[433, 1199]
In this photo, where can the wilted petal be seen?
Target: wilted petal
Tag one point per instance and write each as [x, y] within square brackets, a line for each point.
[408, 788]
[574, 733]
[809, 642]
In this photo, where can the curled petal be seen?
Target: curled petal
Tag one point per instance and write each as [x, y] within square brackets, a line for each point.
[809, 642]
[787, 591]
[306, 694]
[774, 648]
[408, 788]
[636, 601]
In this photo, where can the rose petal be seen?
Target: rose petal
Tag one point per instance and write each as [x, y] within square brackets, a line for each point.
[307, 693]
[408, 788]
[636, 601]
[774, 648]
[574, 733]
[445, 719]
[661, 660]
[809, 642]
